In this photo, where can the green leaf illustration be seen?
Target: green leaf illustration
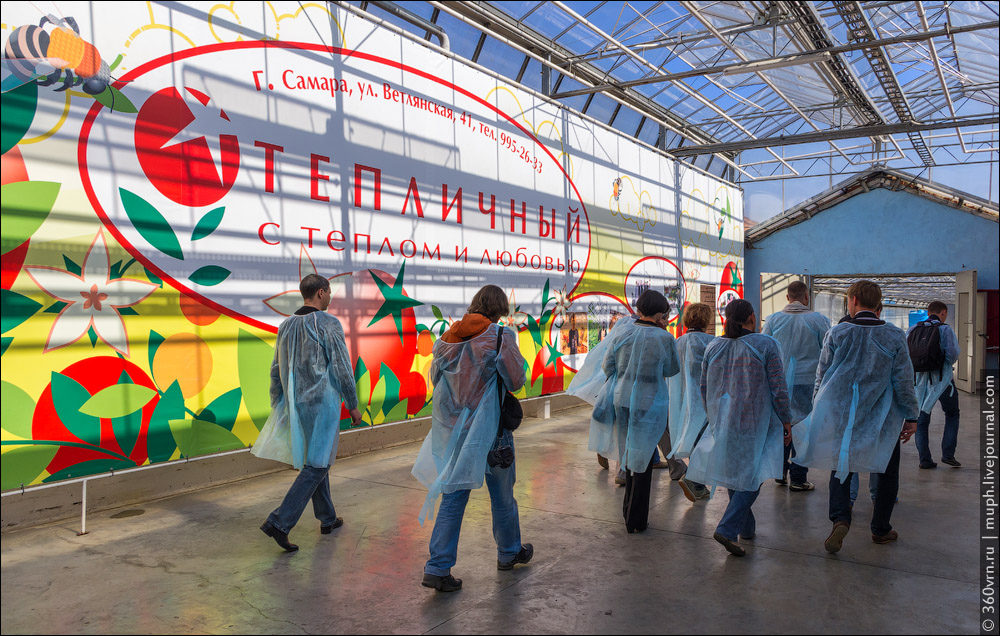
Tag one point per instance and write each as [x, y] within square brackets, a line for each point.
[72, 266]
[92, 334]
[25, 205]
[15, 309]
[55, 307]
[68, 396]
[437, 312]
[153, 278]
[18, 408]
[196, 437]
[18, 110]
[254, 358]
[92, 467]
[150, 224]
[126, 311]
[208, 223]
[126, 427]
[391, 398]
[5, 344]
[117, 401]
[397, 413]
[160, 442]
[209, 275]
[22, 466]
[116, 101]
[223, 409]
[155, 340]
[378, 398]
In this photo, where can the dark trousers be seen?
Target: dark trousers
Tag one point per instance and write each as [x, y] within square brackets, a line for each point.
[635, 508]
[885, 496]
[949, 404]
[793, 470]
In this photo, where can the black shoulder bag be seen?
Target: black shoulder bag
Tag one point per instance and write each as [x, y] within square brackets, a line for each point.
[511, 413]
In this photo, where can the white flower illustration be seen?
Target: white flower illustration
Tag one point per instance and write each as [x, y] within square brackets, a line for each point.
[562, 306]
[287, 302]
[514, 319]
[92, 298]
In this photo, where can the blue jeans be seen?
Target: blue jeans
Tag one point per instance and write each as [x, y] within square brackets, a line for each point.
[506, 526]
[856, 486]
[738, 518]
[312, 483]
[949, 404]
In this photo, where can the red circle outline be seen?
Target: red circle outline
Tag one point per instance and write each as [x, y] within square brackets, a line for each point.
[170, 58]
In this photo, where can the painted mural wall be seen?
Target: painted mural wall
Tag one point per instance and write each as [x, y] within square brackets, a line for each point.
[170, 174]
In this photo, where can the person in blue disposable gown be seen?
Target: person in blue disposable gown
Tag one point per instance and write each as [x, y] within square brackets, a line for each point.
[688, 418]
[310, 377]
[800, 332]
[744, 392]
[590, 379]
[938, 386]
[863, 409]
[475, 362]
[630, 414]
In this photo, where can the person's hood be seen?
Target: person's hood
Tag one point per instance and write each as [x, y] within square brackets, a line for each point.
[470, 326]
[795, 308]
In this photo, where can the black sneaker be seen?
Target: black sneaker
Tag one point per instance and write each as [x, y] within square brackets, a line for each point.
[926, 465]
[527, 551]
[951, 461]
[804, 486]
[328, 529]
[442, 583]
[279, 537]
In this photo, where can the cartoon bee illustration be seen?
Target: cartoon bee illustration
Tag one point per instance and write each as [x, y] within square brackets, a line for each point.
[617, 187]
[53, 52]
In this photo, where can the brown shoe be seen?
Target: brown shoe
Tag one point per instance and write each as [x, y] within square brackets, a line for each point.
[888, 537]
[602, 461]
[835, 541]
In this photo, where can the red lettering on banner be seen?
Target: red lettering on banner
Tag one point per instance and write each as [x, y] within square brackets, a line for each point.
[358, 169]
[447, 207]
[260, 233]
[315, 178]
[311, 230]
[491, 211]
[416, 198]
[269, 150]
[330, 240]
[523, 216]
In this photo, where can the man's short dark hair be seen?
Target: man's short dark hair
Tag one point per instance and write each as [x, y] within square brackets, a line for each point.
[799, 291]
[313, 284]
[867, 293]
[934, 308]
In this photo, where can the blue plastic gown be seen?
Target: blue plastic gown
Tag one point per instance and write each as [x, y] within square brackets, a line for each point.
[931, 385]
[800, 333]
[687, 412]
[590, 379]
[630, 414]
[310, 376]
[743, 388]
[864, 391]
[466, 412]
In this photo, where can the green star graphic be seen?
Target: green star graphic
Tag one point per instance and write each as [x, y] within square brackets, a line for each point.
[554, 355]
[395, 301]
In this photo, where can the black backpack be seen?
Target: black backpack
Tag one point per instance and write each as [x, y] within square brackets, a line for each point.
[924, 343]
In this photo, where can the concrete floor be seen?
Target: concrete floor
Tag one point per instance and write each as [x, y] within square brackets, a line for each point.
[197, 563]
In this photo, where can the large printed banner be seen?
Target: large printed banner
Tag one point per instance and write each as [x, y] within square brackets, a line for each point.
[166, 187]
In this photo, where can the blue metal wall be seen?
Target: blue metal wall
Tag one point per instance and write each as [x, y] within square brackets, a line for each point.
[879, 232]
